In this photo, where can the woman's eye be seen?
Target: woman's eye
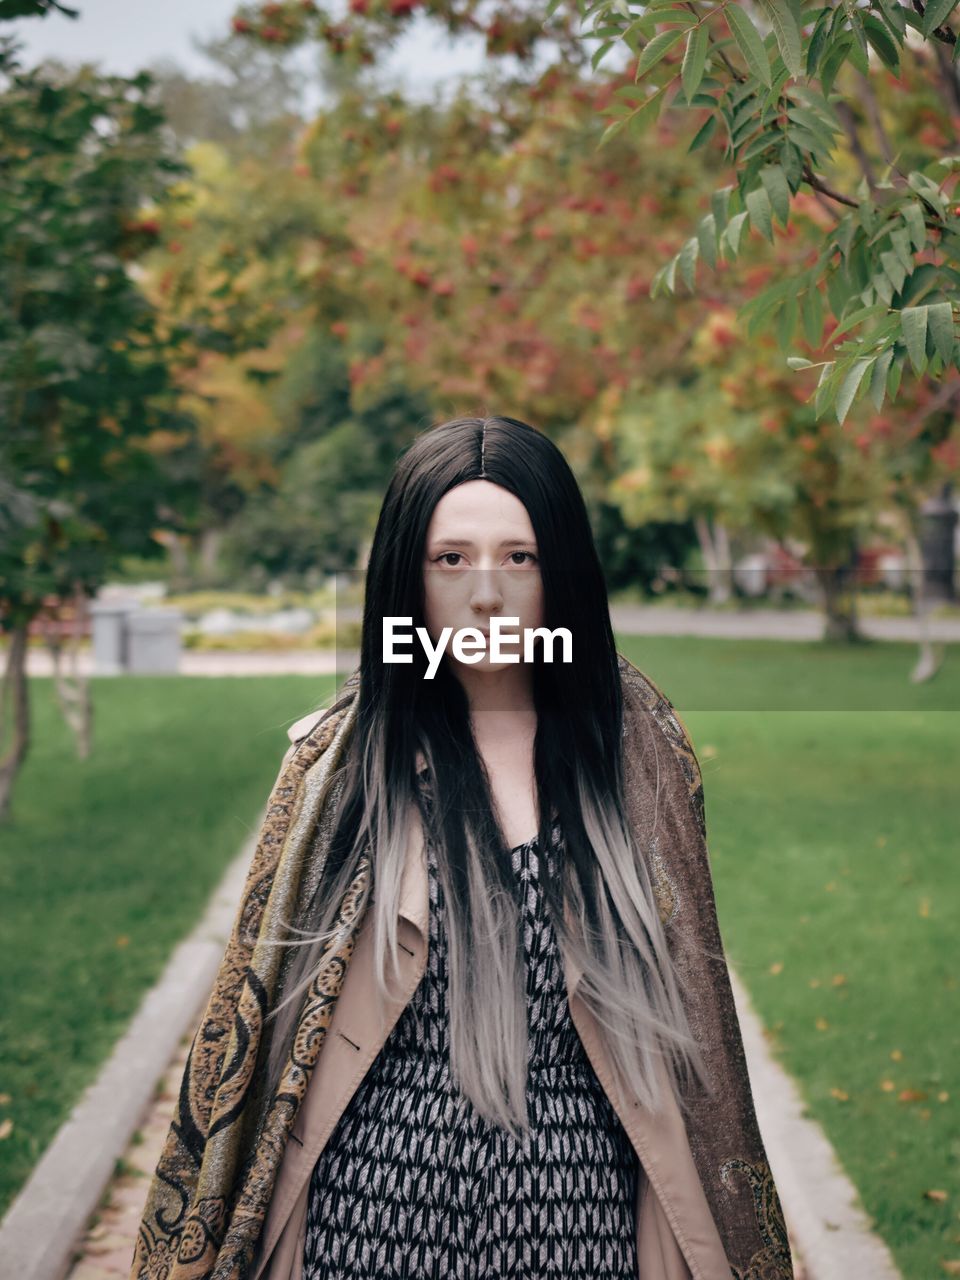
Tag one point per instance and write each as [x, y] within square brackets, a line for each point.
[529, 554]
[443, 556]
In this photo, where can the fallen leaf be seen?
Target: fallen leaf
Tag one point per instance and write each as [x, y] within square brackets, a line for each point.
[924, 908]
[822, 1024]
[896, 1055]
[952, 1268]
[123, 940]
[840, 1095]
[943, 1096]
[814, 982]
[881, 841]
[939, 1196]
[887, 1086]
[831, 886]
[5, 1098]
[839, 979]
[911, 1095]
[777, 967]
[6, 1128]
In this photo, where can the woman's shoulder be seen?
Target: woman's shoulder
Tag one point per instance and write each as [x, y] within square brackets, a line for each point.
[322, 719]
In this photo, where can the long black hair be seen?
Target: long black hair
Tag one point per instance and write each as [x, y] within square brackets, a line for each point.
[628, 980]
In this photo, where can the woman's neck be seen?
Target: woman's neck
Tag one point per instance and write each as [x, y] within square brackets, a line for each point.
[495, 696]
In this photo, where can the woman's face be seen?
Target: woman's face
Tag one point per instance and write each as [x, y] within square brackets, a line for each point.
[481, 562]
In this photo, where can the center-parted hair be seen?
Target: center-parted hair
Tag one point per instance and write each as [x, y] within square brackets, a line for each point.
[629, 981]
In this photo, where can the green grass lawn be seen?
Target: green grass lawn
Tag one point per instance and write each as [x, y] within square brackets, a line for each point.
[831, 831]
[109, 862]
[833, 840]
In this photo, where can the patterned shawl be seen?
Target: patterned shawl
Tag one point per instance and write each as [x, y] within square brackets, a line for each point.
[210, 1193]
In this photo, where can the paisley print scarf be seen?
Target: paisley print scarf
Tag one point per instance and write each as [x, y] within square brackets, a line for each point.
[211, 1190]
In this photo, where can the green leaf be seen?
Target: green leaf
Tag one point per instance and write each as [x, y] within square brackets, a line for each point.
[720, 204]
[818, 40]
[811, 314]
[883, 288]
[732, 232]
[832, 61]
[878, 379]
[860, 316]
[928, 191]
[704, 134]
[671, 274]
[707, 236]
[893, 268]
[601, 53]
[758, 205]
[894, 18]
[940, 324]
[749, 43]
[862, 63]
[913, 216]
[936, 13]
[799, 362]
[775, 184]
[788, 35]
[761, 145]
[825, 388]
[694, 60]
[881, 40]
[851, 385]
[913, 326]
[900, 239]
[612, 130]
[658, 48]
[688, 262]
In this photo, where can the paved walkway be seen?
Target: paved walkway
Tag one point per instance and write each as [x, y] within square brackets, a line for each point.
[106, 1248]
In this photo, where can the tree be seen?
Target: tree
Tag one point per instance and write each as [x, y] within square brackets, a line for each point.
[779, 83]
[90, 436]
[788, 86]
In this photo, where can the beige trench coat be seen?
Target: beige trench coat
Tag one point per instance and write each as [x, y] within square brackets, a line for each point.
[677, 1238]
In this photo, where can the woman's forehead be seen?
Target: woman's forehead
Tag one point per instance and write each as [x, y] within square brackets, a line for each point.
[478, 511]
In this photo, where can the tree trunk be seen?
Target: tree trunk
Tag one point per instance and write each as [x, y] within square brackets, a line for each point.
[210, 541]
[839, 602]
[930, 656]
[15, 713]
[715, 549]
[72, 687]
[180, 578]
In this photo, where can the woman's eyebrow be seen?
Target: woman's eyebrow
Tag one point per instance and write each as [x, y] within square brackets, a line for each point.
[465, 542]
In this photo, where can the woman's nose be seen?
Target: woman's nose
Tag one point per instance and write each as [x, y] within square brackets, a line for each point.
[485, 594]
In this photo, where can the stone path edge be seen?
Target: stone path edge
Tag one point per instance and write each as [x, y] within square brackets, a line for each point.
[825, 1217]
[41, 1229]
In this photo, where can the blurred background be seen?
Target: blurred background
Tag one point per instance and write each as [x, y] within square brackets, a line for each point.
[250, 252]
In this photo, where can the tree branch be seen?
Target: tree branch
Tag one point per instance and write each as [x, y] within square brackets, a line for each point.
[810, 177]
[852, 128]
[948, 73]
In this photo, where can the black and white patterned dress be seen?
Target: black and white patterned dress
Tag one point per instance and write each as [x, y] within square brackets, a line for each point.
[414, 1185]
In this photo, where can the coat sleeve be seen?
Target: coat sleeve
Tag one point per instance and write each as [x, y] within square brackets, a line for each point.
[722, 1125]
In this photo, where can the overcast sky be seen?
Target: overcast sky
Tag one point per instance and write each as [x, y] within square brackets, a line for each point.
[123, 36]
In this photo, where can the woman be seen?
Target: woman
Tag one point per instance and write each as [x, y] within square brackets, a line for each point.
[481, 1024]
